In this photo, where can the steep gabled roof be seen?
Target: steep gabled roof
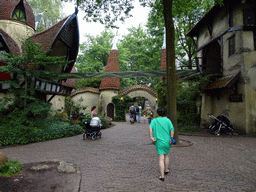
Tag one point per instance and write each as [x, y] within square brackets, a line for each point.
[62, 39]
[47, 37]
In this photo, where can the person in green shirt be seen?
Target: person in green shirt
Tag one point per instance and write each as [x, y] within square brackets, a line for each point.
[161, 131]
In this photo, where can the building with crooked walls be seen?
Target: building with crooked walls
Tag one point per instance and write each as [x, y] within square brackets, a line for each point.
[226, 48]
[17, 23]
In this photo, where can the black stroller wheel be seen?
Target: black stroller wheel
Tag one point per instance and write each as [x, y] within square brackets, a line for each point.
[93, 137]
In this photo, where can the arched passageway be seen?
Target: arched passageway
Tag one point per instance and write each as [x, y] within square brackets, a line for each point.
[142, 91]
[110, 110]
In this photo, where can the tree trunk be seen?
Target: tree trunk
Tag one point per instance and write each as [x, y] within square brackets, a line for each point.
[170, 66]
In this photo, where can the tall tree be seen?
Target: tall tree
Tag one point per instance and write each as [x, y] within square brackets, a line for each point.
[93, 57]
[186, 13]
[51, 16]
[140, 54]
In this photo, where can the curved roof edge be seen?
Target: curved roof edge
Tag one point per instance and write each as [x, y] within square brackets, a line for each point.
[10, 44]
[87, 89]
[138, 87]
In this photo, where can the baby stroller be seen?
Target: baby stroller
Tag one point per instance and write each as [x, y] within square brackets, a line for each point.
[221, 124]
[91, 132]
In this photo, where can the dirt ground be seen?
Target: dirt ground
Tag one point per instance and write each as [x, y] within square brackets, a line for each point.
[42, 180]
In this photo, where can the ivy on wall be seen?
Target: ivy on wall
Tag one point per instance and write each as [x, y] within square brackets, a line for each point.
[121, 106]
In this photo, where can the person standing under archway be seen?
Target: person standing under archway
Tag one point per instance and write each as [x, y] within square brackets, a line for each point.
[149, 114]
[138, 110]
[132, 112]
[161, 131]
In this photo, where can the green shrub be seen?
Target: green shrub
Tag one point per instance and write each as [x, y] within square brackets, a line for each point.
[11, 168]
[47, 130]
[121, 106]
[63, 115]
[119, 118]
[73, 108]
[188, 118]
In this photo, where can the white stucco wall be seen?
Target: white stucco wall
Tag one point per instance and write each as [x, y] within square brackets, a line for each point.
[87, 99]
[18, 31]
[58, 102]
[105, 99]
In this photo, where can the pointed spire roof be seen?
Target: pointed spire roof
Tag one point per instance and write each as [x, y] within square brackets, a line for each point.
[112, 66]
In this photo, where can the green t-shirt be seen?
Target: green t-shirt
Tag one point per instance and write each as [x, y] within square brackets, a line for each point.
[162, 132]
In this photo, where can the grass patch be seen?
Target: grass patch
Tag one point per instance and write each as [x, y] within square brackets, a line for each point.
[188, 128]
[11, 168]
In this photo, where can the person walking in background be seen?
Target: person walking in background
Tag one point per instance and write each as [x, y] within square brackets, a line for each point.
[93, 110]
[149, 114]
[132, 112]
[138, 110]
[161, 131]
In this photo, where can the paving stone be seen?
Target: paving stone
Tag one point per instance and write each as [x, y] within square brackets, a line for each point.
[124, 159]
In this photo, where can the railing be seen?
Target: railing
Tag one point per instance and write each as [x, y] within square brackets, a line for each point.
[53, 88]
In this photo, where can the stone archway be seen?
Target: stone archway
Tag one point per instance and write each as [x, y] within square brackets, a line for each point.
[111, 110]
[142, 91]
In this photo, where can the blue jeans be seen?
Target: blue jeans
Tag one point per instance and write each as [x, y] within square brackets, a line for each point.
[139, 115]
[132, 116]
[149, 120]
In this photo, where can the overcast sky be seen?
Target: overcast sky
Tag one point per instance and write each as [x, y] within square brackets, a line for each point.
[140, 15]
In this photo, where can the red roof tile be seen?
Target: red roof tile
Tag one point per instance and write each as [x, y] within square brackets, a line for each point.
[112, 66]
[223, 82]
[87, 89]
[13, 46]
[46, 37]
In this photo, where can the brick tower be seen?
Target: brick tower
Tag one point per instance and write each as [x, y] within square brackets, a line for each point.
[109, 87]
